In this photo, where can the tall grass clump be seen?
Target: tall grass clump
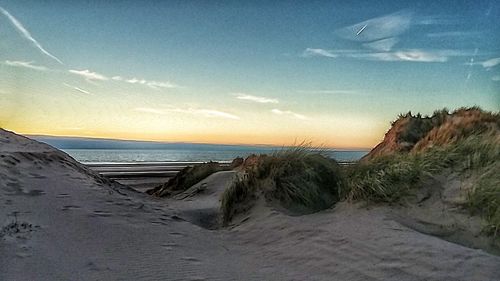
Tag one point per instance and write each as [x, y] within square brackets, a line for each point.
[301, 179]
[384, 179]
[237, 198]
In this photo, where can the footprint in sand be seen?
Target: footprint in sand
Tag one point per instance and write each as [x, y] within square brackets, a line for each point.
[191, 260]
[70, 207]
[37, 176]
[15, 189]
[177, 234]
[169, 246]
[94, 267]
[156, 222]
[99, 213]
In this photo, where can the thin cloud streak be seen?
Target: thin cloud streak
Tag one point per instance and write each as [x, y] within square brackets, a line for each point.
[77, 89]
[312, 52]
[208, 113]
[89, 75]
[27, 35]
[410, 55]
[148, 83]
[289, 113]
[257, 99]
[26, 64]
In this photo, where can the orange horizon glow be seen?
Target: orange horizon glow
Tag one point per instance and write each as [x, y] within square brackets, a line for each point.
[236, 140]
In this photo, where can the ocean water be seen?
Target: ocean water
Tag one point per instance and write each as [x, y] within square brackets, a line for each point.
[191, 155]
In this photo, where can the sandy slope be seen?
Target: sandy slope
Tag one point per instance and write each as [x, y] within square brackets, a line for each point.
[73, 225]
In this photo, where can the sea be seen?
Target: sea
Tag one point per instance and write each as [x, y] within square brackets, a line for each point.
[189, 155]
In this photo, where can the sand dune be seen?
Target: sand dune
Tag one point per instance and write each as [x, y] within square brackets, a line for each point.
[61, 221]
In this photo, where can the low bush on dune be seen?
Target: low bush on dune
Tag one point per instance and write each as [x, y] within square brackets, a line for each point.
[301, 179]
[186, 178]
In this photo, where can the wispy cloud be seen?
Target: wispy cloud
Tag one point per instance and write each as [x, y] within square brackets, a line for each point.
[378, 28]
[208, 113]
[491, 63]
[289, 113]
[312, 52]
[26, 34]
[410, 55]
[378, 37]
[148, 83]
[257, 99]
[89, 75]
[496, 78]
[76, 88]
[26, 64]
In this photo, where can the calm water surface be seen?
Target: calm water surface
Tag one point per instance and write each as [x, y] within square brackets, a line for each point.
[165, 155]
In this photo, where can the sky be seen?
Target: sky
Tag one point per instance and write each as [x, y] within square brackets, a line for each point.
[232, 72]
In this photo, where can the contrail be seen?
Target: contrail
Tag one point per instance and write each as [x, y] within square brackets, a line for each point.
[361, 30]
[26, 34]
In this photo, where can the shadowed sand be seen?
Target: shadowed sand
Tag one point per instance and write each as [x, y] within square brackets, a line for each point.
[61, 221]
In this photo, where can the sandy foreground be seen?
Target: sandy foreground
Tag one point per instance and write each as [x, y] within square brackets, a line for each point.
[61, 221]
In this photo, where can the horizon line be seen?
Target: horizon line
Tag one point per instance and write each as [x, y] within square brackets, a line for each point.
[188, 142]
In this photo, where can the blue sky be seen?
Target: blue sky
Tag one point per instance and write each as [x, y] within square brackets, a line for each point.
[335, 72]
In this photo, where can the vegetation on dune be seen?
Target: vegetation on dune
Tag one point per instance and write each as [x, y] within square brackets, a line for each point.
[415, 133]
[484, 198]
[388, 178]
[466, 142]
[301, 179]
[186, 178]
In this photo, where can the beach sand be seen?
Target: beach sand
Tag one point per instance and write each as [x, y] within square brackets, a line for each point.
[62, 221]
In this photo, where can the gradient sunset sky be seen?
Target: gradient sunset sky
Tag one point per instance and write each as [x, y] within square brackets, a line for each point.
[242, 72]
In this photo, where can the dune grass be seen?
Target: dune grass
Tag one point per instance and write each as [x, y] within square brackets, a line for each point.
[389, 178]
[484, 198]
[186, 178]
[301, 179]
